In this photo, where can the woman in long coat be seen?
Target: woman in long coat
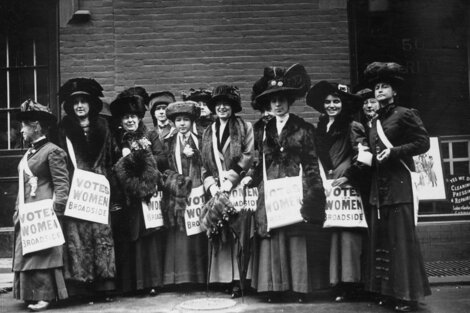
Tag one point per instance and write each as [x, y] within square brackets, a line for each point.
[140, 251]
[397, 267]
[281, 258]
[185, 256]
[234, 138]
[337, 142]
[38, 277]
[89, 258]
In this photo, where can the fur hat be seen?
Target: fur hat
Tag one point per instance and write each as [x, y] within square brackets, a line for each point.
[293, 82]
[197, 95]
[317, 94]
[389, 72]
[188, 108]
[86, 87]
[160, 98]
[228, 93]
[33, 111]
[133, 100]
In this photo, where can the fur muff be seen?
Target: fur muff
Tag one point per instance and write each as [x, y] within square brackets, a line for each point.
[177, 189]
[138, 174]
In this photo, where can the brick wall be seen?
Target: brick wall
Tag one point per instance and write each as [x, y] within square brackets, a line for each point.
[178, 44]
[444, 241]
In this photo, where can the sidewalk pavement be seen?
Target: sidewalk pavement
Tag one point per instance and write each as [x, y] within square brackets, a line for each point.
[445, 298]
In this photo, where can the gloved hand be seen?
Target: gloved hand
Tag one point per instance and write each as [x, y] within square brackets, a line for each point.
[226, 186]
[246, 181]
[213, 189]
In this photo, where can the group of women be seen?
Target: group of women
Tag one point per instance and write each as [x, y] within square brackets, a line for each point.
[201, 156]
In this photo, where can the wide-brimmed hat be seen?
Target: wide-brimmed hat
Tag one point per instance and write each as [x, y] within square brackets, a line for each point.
[317, 94]
[160, 98]
[389, 72]
[231, 94]
[87, 87]
[197, 95]
[33, 111]
[188, 108]
[293, 82]
[130, 101]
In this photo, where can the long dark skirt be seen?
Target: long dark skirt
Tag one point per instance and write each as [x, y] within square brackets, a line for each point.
[345, 255]
[140, 263]
[36, 285]
[395, 260]
[185, 258]
[89, 257]
[280, 263]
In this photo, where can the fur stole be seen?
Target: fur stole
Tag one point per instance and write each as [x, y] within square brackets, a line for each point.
[89, 151]
[176, 190]
[138, 175]
[237, 129]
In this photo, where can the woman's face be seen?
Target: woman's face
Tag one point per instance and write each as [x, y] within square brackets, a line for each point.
[81, 107]
[160, 113]
[29, 131]
[183, 124]
[223, 109]
[279, 105]
[204, 109]
[130, 122]
[384, 93]
[370, 106]
[333, 105]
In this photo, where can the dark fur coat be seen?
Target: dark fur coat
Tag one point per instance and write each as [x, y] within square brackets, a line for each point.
[136, 176]
[89, 247]
[284, 154]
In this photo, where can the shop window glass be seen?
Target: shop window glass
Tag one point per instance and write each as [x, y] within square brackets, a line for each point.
[460, 149]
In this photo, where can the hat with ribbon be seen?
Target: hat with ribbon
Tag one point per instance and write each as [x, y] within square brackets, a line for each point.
[189, 108]
[317, 94]
[231, 94]
[293, 82]
[86, 87]
[33, 111]
[133, 100]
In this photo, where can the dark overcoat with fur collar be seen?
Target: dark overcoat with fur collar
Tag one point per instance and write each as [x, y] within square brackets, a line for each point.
[136, 176]
[284, 154]
[89, 247]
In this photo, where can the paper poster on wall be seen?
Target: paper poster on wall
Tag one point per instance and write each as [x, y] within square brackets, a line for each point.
[459, 193]
[428, 166]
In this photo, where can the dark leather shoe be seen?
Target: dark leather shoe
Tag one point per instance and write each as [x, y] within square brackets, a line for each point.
[236, 292]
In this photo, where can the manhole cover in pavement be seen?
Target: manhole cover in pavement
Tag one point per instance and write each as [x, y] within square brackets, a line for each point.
[207, 304]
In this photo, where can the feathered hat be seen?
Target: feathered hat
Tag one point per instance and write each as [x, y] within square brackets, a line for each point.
[317, 94]
[231, 94]
[33, 111]
[197, 95]
[188, 108]
[86, 87]
[389, 72]
[292, 82]
[133, 100]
